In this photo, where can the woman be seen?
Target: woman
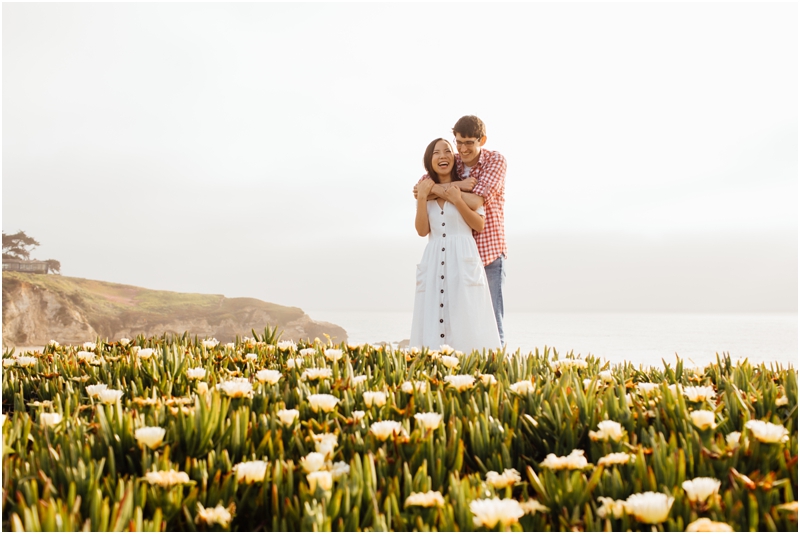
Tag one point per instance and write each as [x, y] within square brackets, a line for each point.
[452, 304]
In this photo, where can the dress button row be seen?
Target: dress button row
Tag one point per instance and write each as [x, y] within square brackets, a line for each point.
[441, 320]
[442, 224]
[442, 335]
[444, 235]
[442, 249]
[442, 277]
[441, 305]
[442, 291]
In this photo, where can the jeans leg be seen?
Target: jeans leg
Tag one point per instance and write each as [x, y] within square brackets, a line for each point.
[496, 277]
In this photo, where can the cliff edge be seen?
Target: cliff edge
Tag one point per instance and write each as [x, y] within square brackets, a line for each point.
[38, 308]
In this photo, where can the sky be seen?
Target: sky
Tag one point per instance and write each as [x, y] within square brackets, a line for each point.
[270, 150]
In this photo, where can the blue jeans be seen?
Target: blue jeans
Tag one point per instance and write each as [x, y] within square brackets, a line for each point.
[496, 277]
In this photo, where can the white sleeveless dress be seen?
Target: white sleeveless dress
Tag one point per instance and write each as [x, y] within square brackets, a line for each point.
[452, 304]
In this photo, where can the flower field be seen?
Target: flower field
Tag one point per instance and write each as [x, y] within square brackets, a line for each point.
[181, 434]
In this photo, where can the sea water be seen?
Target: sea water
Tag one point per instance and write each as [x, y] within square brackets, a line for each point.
[639, 338]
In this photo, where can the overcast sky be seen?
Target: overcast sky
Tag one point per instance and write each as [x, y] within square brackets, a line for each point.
[269, 150]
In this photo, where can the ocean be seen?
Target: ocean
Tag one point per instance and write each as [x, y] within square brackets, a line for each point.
[639, 338]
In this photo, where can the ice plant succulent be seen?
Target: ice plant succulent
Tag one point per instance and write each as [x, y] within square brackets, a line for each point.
[699, 393]
[383, 429]
[451, 362]
[649, 507]
[609, 506]
[322, 401]
[491, 512]
[607, 431]
[287, 417]
[508, 478]
[149, 436]
[50, 419]
[523, 387]
[428, 420]
[251, 472]
[236, 388]
[333, 355]
[704, 524]
[460, 382]
[703, 419]
[767, 432]
[219, 515]
[109, 396]
[269, 376]
[313, 461]
[316, 374]
[323, 479]
[615, 458]
[167, 479]
[428, 499]
[701, 488]
[575, 460]
[196, 373]
[374, 398]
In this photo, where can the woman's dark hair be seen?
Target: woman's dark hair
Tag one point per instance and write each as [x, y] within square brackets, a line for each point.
[427, 161]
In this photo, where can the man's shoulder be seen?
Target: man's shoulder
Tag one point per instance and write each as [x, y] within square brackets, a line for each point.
[423, 177]
[492, 156]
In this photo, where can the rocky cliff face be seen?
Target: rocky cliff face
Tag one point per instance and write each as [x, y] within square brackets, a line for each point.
[38, 308]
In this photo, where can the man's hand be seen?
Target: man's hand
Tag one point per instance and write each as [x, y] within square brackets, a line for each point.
[452, 194]
[467, 184]
[423, 189]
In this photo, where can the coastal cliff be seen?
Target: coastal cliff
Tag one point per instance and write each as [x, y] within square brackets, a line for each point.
[38, 308]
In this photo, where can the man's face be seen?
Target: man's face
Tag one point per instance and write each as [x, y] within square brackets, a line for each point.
[469, 148]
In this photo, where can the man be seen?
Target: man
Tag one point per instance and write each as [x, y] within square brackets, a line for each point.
[484, 173]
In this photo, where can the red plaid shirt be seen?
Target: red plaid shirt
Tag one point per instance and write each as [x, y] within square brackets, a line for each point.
[490, 172]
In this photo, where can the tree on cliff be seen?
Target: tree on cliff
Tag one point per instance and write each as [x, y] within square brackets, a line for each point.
[19, 246]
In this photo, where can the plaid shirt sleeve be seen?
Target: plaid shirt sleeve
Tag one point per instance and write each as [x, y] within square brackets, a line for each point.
[493, 177]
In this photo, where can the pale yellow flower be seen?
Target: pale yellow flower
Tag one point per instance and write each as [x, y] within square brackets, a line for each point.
[607, 430]
[144, 354]
[251, 357]
[611, 507]
[236, 388]
[428, 420]
[615, 458]
[54, 343]
[767, 432]
[26, 361]
[788, 507]
[322, 401]
[270, 376]
[95, 389]
[451, 362]
[333, 355]
[358, 415]
[124, 341]
[210, 343]
[447, 350]
[89, 345]
[307, 352]
[323, 479]
[287, 417]
[291, 363]
[109, 396]
[356, 380]
[325, 443]
[428, 499]
[606, 376]
[167, 479]
[460, 382]
[489, 512]
[704, 524]
[150, 436]
[523, 387]
[9, 362]
[699, 393]
[732, 439]
[339, 469]
[575, 460]
[287, 345]
[701, 488]
[251, 472]
[409, 387]
[782, 401]
[649, 507]
[645, 388]
[531, 506]
[377, 398]
[313, 461]
[316, 374]
[508, 478]
[217, 515]
[50, 419]
[383, 429]
[202, 388]
[703, 419]
[488, 379]
[195, 373]
[571, 363]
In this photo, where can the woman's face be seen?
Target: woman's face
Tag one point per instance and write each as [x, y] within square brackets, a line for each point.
[443, 158]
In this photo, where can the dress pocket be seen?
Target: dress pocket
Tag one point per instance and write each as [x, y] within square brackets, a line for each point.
[421, 271]
[472, 272]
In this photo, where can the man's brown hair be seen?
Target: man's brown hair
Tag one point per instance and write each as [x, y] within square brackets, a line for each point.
[470, 126]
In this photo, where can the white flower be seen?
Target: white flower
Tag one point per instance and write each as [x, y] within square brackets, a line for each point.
[732, 439]
[414, 350]
[451, 362]
[383, 429]
[322, 401]
[251, 357]
[287, 345]
[236, 388]
[428, 420]
[167, 479]
[782, 401]
[767, 432]
[649, 507]
[95, 389]
[325, 443]
[219, 515]
[151, 436]
[313, 461]
[460, 382]
[50, 419]
[333, 355]
[608, 430]
[315, 374]
[409, 387]
[123, 341]
[426, 500]
[287, 417]
[523, 387]
[230, 346]
[202, 388]
[89, 345]
[704, 524]
[54, 343]
[569, 364]
[291, 363]
[358, 415]
[531, 506]
[645, 388]
[145, 353]
[196, 373]
[508, 478]
[490, 512]
[606, 376]
[339, 469]
[9, 362]
[575, 460]
[378, 398]
[703, 419]
[109, 396]
[26, 361]
[307, 352]
[210, 343]
[270, 376]
[701, 488]
[675, 390]
[488, 380]
[614, 458]
[446, 349]
[356, 380]
[322, 478]
[699, 393]
[612, 507]
[251, 472]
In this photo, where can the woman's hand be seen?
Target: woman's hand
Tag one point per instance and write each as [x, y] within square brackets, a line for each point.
[424, 188]
[452, 194]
